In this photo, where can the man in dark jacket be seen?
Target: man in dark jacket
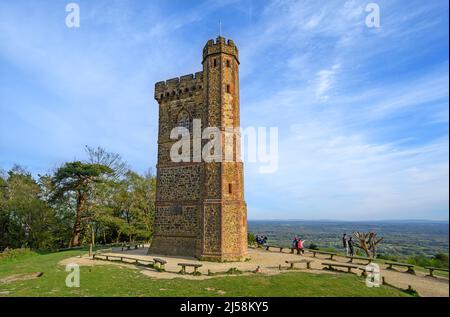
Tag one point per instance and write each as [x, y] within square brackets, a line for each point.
[345, 243]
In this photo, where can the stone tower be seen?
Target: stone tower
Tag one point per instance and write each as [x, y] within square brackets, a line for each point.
[200, 207]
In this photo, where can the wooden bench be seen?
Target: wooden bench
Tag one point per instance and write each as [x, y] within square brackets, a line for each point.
[349, 267]
[331, 254]
[274, 246]
[136, 245]
[122, 259]
[431, 269]
[409, 266]
[308, 263]
[183, 267]
[106, 257]
[369, 260]
[159, 263]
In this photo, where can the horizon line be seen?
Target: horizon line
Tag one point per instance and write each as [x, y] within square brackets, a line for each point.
[361, 220]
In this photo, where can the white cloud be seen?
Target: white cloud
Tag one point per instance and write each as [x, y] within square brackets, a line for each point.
[325, 79]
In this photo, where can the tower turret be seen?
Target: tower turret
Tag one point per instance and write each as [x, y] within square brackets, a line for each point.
[224, 186]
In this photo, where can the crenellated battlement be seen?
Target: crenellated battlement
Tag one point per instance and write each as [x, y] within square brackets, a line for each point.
[220, 45]
[178, 86]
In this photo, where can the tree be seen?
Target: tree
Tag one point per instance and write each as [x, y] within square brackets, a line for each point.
[112, 160]
[368, 242]
[133, 203]
[76, 180]
[25, 219]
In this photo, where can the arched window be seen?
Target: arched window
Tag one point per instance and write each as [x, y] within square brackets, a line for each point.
[184, 120]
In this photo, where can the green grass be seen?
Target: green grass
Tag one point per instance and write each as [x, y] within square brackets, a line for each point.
[109, 280]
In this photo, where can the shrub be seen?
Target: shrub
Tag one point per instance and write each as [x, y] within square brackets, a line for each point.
[313, 246]
[15, 253]
[251, 239]
[440, 260]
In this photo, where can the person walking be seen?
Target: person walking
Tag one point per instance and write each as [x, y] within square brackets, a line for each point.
[345, 244]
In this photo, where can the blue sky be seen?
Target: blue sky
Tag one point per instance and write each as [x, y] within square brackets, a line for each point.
[362, 112]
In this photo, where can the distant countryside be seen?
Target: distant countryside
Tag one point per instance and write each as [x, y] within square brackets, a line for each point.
[403, 240]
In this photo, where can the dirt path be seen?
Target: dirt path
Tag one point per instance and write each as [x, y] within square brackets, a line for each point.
[269, 262]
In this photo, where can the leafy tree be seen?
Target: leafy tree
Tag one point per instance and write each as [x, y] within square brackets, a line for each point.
[63, 209]
[100, 194]
[75, 180]
[441, 260]
[133, 203]
[25, 219]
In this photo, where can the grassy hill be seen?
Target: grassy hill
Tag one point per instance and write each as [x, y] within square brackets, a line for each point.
[109, 280]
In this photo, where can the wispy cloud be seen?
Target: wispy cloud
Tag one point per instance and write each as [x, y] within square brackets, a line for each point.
[325, 79]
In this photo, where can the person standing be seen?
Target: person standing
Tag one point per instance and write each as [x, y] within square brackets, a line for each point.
[345, 244]
[264, 241]
[294, 244]
[300, 246]
[351, 246]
